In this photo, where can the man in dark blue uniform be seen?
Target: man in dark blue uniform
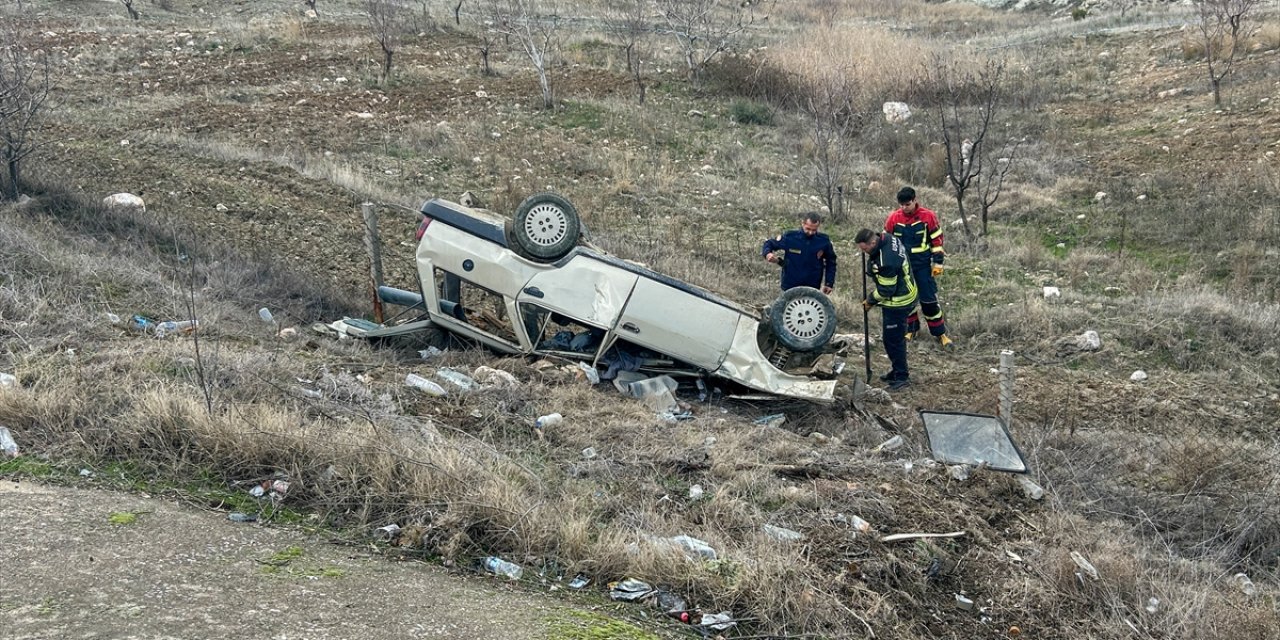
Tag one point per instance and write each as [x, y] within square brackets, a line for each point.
[807, 257]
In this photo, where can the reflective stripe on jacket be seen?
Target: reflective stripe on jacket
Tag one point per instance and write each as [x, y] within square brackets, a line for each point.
[920, 233]
[890, 268]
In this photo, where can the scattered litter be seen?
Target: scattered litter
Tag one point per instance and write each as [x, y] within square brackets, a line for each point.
[719, 621]
[266, 316]
[457, 379]
[858, 524]
[429, 353]
[670, 602]
[1153, 605]
[630, 590]
[7, 444]
[1246, 585]
[668, 416]
[579, 581]
[1089, 341]
[896, 112]
[499, 567]
[388, 533]
[288, 333]
[141, 324]
[236, 516]
[589, 372]
[1052, 292]
[1013, 556]
[695, 492]
[897, 537]
[113, 318]
[8, 380]
[426, 386]
[775, 420]
[257, 491]
[890, 444]
[1138, 376]
[657, 393]
[312, 393]
[549, 420]
[782, 534]
[494, 377]
[169, 327]
[964, 603]
[959, 472]
[1084, 565]
[693, 548]
[589, 453]
[86, 473]
[1030, 488]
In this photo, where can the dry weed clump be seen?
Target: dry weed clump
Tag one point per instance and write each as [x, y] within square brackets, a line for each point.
[860, 52]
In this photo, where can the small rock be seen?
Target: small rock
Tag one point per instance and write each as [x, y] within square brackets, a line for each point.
[1052, 292]
[1138, 376]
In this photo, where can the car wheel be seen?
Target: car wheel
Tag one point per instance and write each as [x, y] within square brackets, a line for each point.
[803, 319]
[546, 226]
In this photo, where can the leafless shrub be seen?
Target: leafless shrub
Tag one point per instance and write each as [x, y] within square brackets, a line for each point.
[128, 6]
[703, 29]
[386, 22]
[628, 22]
[25, 85]
[534, 25]
[1223, 27]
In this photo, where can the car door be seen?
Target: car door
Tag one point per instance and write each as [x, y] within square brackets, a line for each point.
[678, 323]
[589, 292]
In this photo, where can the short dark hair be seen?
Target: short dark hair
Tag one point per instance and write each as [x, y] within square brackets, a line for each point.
[906, 194]
[811, 216]
[864, 236]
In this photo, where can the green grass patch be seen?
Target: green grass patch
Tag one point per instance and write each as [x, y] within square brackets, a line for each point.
[751, 112]
[581, 115]
[26, 466]
[582, 625]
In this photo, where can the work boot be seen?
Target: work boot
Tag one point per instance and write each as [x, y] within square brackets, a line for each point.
[945, 341]
[900, 383]
[886, 377]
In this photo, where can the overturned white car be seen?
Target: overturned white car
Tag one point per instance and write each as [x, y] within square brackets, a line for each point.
[528, 285]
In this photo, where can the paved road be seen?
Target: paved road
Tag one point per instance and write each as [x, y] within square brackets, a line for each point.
[66, 571]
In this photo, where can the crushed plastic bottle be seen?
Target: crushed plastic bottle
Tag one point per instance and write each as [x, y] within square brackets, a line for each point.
[174, 326]
[141, 324]
[630, 590]
[890, 444]
[499, 567]
[457, 379]
[1030, 488]
[424, 385]
[8, 380]
[242, 517]
[7, 445]
[266, 316]
[113, 318]
[549, 420]
[1246, 585]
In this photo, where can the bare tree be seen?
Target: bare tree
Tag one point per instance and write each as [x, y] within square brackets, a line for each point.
[705, 28]
[535, 27]
[1223, 28]
[965, 103]
[386, 23]
[835, 113]
[994, 171]
[628, 22]
[25, 84]
[128, 6]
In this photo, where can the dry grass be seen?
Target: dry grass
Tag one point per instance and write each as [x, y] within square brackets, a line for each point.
[1163, 485]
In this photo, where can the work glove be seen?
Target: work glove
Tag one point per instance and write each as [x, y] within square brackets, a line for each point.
[935, 270]
[867, 304]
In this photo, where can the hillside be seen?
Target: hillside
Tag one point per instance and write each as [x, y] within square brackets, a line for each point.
[254, 130]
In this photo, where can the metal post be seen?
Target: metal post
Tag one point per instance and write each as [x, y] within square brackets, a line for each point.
[373, 243]
[1006, 388]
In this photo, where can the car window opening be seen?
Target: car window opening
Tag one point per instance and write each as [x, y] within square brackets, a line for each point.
[473, 304]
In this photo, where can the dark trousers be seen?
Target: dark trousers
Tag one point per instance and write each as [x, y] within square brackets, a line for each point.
[927, 290]
[895, 339]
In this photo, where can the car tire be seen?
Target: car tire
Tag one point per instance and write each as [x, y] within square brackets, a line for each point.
[546, 226]
[803, 319]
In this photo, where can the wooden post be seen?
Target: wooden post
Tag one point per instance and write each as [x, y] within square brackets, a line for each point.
[1006, 388]
[373, 243]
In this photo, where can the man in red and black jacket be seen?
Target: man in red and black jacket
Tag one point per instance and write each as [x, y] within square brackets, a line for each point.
[917, 228]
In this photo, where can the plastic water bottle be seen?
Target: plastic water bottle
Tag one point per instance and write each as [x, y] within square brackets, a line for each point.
[266, 316]
[142, 324]
[173, 326]
[7, 445]
[1246, 585]
[499, 567]
[549, 420]
[426, 386]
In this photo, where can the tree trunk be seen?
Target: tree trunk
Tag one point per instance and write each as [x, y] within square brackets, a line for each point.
[11, 189]
[386, 67]
[547, 101]
[484, 61]
[1216, 84]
